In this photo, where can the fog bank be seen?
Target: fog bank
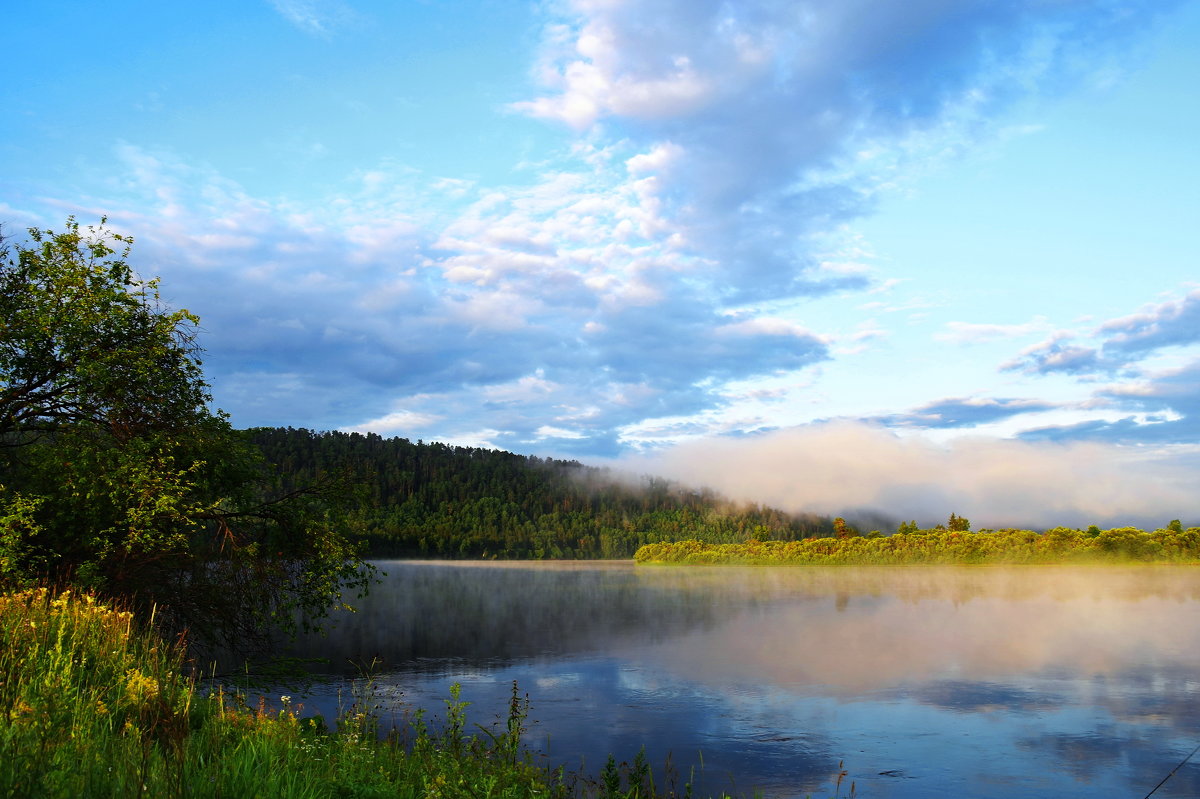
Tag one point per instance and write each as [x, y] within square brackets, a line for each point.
[844, 467]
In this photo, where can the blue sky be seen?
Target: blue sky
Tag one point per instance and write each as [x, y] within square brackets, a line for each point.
[939, 237]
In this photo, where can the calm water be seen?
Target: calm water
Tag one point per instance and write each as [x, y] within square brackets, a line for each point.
[924, 682]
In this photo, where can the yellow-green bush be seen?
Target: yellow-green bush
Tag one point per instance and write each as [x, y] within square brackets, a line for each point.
[1059, 545]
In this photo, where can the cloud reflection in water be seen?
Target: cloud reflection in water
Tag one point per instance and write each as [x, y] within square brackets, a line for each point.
[926, 681]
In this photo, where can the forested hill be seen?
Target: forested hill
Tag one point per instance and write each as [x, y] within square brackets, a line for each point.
[435, 500]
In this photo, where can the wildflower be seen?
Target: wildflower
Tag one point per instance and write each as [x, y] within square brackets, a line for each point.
[139, 687]
[19, 710]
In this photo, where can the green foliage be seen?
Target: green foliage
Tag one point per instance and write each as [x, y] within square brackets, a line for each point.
[434, 500]
[114, 474]
[1059, 545]
[83, 340]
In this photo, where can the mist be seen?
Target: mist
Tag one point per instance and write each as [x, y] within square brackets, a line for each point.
[852, 468]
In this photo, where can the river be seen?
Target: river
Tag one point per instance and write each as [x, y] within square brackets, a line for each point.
[920, 682]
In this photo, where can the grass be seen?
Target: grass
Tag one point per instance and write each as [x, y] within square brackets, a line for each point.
[92, 705]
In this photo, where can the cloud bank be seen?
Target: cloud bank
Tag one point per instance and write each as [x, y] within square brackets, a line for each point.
[842, 467]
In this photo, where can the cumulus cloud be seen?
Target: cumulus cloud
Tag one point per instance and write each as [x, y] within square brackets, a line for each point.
[519, 312]
[785, 118]
[839, 467]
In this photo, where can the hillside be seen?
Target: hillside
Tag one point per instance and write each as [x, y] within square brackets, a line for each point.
[435, 500]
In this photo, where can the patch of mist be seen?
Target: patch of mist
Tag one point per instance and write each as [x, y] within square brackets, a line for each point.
[840, 468]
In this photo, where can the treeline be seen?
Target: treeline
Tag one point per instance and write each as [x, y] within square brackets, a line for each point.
[421, 499]
[1171, 544]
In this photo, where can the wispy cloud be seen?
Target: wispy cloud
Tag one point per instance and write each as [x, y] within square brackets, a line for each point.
[1140, 402]
[967, 412]
[1172, 323]
[1056, 354]
[975, 332]
[319, 17]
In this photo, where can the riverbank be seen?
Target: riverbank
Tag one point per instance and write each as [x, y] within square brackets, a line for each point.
[92, 704]
[1060, 545]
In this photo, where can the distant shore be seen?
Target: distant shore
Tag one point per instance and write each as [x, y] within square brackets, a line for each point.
[1059, 545]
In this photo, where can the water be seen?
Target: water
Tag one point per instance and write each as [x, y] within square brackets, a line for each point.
[923, 682]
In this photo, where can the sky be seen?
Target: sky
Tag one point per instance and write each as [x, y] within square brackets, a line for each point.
[914, 257]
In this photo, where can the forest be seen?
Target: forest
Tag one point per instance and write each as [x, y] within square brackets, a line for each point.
[434, 500]
[406, 499]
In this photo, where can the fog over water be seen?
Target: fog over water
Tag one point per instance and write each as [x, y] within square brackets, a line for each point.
[839, 467]
[939, 681]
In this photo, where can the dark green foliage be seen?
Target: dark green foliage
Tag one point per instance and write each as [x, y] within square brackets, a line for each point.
[435, 500]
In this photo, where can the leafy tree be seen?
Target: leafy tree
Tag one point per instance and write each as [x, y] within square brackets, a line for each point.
[114, 473]
[82, 340]
[958, 524]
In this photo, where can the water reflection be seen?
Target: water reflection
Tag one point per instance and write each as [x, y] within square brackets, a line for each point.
[925, 681]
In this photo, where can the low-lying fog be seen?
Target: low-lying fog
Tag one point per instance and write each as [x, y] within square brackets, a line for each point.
[838, 467]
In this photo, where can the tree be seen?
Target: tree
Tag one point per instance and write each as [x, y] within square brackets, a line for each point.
[958, 524]
[117, 477]
[83, 341]
[843, 530]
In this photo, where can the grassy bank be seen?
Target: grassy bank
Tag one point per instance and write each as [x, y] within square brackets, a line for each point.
[1060, 545]
[93, 706]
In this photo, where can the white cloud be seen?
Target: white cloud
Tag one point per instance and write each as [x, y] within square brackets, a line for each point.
[395, 423]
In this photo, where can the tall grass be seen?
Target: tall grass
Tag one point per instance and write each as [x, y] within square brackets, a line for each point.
[1060, 545]
[91, 705]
